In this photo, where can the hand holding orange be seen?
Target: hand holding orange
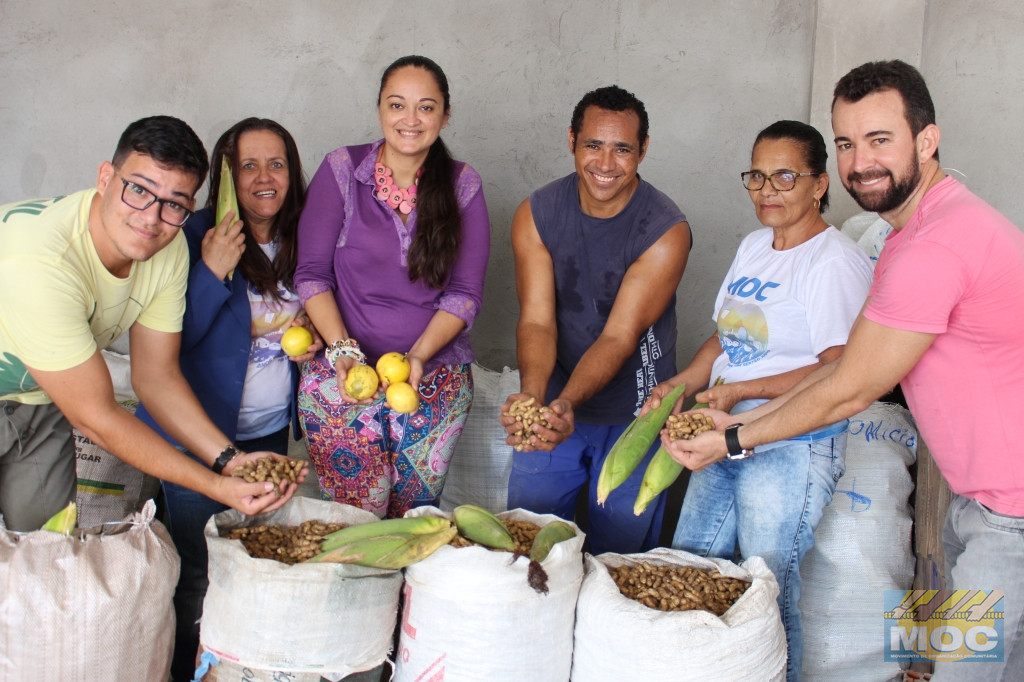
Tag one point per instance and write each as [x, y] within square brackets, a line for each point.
[393, 368]
[296, 341]
[361, 382]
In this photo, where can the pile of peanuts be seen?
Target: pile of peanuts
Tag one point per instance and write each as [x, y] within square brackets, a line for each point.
[528, 413]
[274, 469]
[287, 544]
[688, 425]
[678, 588]
[523, 531]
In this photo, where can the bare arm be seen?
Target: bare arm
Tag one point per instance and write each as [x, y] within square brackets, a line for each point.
[536, 331]
[85, 395]
[875, 359]
[442, 328]
[646, 291]
[725, 396]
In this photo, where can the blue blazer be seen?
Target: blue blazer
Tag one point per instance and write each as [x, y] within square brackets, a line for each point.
[215, 338]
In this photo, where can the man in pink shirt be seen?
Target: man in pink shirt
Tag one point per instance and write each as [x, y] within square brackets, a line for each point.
[945, 318]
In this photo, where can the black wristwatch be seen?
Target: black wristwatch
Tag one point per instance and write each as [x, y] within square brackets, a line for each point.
[732, 444]
[225, 456]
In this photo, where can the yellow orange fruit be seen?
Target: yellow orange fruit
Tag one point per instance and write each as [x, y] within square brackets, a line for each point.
[393, 368]
[296, 341]
[402, 397]
[361, 382]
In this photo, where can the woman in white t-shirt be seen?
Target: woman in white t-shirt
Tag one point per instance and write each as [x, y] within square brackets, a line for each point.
[785, 308]
[240, 301]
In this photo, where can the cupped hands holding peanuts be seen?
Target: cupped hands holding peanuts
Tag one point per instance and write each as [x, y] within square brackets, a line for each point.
[531, 425]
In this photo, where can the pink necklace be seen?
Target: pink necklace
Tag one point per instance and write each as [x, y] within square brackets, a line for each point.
[390, 193]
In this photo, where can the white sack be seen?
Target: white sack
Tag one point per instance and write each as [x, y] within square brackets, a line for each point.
[90, 606]
[480, 468]
[618, 638]
[325, 618]
[470, 616]
[862, 548]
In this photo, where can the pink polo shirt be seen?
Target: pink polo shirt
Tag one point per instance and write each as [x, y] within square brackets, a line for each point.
[957, 270]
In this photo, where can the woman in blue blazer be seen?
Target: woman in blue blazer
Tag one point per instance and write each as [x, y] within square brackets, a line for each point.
[239, 302]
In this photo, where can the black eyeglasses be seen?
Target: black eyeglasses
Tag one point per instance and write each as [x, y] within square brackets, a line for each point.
[782, 181]
[140, 198]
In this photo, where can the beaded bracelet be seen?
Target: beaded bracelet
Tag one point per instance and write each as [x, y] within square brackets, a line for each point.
[348, 348]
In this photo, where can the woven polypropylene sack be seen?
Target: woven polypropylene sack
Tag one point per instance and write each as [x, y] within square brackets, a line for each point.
[480, 468]
[308, 618]
[470, 614]
[91, 606]
[862, 547]
[618, 638]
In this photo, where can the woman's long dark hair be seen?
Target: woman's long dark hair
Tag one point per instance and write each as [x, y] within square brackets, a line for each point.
[438, 223]
[263, 274]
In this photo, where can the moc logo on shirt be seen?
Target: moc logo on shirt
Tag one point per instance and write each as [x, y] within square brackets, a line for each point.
[746, 287]
[944, 625]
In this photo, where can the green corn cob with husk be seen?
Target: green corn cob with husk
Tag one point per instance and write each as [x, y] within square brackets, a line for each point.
[482, 527]
[64, 521]
[413, 525]
[393, 551]
[662, 471]
[633, 444]
[549, 536]
[227, 198]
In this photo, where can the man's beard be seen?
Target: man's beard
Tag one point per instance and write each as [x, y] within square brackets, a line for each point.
[893, 197]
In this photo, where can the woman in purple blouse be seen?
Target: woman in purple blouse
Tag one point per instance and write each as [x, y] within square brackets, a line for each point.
[393, 248]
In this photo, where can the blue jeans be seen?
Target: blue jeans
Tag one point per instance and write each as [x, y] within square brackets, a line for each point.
[187, 515]
[550, 483]
[766, 506]
[985, 551]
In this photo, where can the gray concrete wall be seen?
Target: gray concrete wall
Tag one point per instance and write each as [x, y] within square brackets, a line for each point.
[711, 74]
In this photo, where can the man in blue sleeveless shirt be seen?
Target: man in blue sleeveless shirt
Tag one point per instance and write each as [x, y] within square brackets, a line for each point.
[598, 256]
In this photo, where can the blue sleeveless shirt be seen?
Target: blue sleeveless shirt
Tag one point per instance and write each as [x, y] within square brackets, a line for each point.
[590, 258]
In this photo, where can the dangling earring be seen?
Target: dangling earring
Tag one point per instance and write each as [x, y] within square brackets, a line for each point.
[817, 204]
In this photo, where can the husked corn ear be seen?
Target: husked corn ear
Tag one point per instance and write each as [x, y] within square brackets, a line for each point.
[549, 536]
[633, 444]
[481, 526]
[64, 521]
[393, 551]
[414, 525]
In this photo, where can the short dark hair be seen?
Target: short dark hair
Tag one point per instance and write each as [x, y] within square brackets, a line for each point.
[167, 140]
[918, 108]
[610, 98]
[811, 144]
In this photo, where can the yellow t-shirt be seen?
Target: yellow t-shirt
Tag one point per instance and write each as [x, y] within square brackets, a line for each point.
[59, 304]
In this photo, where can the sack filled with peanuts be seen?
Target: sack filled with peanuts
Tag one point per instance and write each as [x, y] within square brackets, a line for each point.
[669, 614]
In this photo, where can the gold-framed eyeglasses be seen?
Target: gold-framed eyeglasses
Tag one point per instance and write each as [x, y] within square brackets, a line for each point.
[138, 197]
[781, 180]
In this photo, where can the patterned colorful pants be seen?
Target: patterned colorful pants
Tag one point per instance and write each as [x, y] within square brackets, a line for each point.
[372, 457]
